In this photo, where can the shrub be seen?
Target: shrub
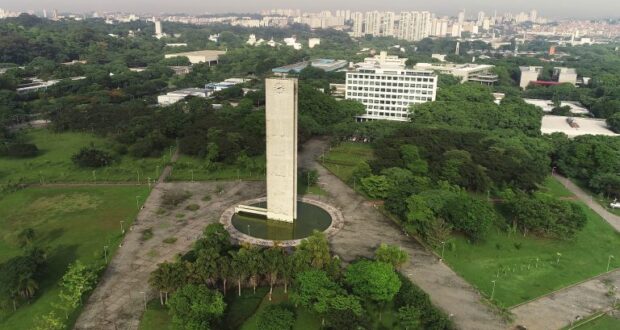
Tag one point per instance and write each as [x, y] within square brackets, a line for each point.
[170, 240]
[20, 150]
[276, 317]
[92, 157]
[192, 207]
[172, 198]
[147, 234]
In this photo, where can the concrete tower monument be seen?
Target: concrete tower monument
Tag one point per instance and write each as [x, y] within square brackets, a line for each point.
[281, 136]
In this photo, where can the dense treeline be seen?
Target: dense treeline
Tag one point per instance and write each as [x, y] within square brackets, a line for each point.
[473, 106]
[194, 286]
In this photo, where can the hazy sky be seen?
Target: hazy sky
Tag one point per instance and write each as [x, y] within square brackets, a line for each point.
[548, 8]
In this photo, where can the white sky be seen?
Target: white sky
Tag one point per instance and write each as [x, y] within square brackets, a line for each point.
[548, 8]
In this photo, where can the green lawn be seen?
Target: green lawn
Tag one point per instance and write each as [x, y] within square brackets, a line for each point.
[156, 317]
[343, 159]
[555, 188]
[605, 322]
[70, 223]
[514, 257]
[304, 321]
[188, 168]
[53, 164]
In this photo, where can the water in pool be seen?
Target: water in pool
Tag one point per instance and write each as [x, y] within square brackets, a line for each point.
[309, 218]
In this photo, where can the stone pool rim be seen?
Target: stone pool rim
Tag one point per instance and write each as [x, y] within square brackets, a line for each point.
[239, 237]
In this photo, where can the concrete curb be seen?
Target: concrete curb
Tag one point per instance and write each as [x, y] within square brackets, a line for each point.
[239, 237]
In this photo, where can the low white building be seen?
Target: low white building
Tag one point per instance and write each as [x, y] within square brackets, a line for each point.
[176, 96]
[292, 42]
[313, 42]
[387, 88]
[481, 73]
[581, 126]
[201, 56]
[547, 106]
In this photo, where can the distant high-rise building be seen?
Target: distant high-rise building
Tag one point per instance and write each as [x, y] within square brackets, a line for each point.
[461, 17]
[158, 29]
[480, 20]
[358, 24]
[44, 13]
[533, 15]
[415, 25]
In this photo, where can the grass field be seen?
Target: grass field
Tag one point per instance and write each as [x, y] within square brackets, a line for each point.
[343, 159]
[188, 168]
[70, 223]
[527, 267]
[604, 322]
[53, 164]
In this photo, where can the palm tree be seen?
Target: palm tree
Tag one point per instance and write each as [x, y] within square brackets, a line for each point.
[26, 287]
[168, 277]
[239, 265]
[206, 266]
[255, 265]
[273, 260]
[224, 270]
[26, 237]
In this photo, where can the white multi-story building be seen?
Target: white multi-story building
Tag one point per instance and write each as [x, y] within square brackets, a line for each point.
[387, 88]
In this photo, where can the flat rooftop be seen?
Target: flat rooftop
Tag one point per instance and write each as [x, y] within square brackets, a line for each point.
[587, 126]
[206, 53]
[547, 105]
[321, 63]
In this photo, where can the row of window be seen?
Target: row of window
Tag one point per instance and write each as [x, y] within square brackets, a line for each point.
[387, 114]
[394, 78]
[394, 95]
[359, 96]
[418, 86]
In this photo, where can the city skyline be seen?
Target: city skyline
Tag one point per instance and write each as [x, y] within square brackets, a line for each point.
[568, 9]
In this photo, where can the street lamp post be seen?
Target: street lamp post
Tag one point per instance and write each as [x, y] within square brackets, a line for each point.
[122, 227]
[137, 202]
[443, 246]
[609, 261]
[493, 290]
[144, 295]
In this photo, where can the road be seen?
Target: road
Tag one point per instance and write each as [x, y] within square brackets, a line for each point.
[613, 219]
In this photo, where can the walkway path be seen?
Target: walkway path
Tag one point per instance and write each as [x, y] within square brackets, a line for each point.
[118, 301]
[365, 228]
[613, 219]
[559, 309]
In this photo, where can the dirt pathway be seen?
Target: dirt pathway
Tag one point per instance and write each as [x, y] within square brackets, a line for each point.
[613, 219]
[560, 309]
[365, 228]
[118, 301]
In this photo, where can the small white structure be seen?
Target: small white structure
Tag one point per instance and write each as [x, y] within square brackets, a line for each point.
[440, 57]
[547, 106]
[312, 42]
[214, 37]
[292, 42]
[201, 56]
[176, 96]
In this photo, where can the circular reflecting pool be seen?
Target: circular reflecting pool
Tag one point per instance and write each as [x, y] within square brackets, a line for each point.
[309, 218]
